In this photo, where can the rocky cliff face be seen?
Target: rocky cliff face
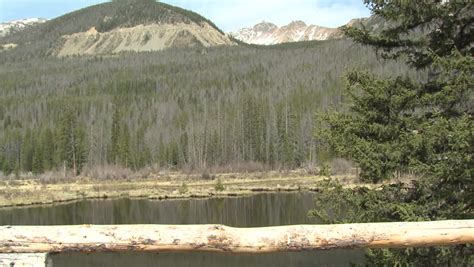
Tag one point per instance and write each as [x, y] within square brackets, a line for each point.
[152, 37]
[266, 33]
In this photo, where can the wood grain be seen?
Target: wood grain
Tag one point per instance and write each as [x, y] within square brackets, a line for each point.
[219, 238]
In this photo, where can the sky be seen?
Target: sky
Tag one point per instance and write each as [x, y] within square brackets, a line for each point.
[229, 15]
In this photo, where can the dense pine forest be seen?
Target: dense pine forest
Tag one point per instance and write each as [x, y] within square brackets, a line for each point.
[178, 108]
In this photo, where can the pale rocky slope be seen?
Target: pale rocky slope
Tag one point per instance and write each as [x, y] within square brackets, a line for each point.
[153, 37]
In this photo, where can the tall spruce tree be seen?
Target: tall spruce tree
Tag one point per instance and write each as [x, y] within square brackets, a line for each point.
[27, 151]
[48, 150]
[72, 141]
[124, 146]
[38, 158]
[400, 124]
[114, 147]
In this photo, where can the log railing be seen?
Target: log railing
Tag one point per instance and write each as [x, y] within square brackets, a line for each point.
[218, 238]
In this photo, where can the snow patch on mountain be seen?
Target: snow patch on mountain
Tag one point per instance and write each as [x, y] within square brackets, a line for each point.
[266, 33]
[18, 25]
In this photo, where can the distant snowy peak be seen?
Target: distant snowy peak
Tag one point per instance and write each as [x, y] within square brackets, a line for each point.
[266, 33]
[29, 21]
[261, 33]
[18, 25]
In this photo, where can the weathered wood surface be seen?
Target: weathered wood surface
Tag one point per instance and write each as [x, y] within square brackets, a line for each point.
[97, 238]
[25, 260]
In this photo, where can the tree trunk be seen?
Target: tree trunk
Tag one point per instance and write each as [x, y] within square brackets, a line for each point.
[120, 238]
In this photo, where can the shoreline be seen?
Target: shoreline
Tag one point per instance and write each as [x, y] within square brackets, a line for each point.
[164, 198]
[33, 192]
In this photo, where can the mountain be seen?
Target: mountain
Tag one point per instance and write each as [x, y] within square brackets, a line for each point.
[117, 26]
[266, 33]
[18, 25]
[240, 106]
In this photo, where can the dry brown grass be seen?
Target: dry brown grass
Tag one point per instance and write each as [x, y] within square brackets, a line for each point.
[107, 172]
[158, 184]
[164, 184]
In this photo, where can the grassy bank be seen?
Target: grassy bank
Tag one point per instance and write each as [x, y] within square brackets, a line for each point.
[166, 185]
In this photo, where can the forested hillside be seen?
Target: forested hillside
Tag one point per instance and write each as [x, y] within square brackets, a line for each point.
[49, 37]
[176, 108]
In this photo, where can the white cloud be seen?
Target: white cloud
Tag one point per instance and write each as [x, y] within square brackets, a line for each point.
[231, 15]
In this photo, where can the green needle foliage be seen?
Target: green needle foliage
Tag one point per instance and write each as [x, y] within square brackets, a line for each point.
[72, 141]
[401, 125]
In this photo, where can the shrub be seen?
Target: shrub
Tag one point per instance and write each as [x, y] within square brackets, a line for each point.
[219, 186]
[183, 188]
[325, 170]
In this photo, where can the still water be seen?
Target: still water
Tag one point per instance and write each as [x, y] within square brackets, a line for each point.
[252, 211]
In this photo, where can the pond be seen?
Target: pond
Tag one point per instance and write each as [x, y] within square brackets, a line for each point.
[250, 211]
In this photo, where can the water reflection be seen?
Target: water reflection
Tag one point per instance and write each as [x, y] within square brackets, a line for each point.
[252, 211]
[307, 258]
[257, 210]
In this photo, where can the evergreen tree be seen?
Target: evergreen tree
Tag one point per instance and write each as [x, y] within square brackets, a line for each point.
[27, 150]
[378, 128]
[114, 149]
[47, 144]
[72, 141]
[285, 144]
[141, 152]
[162, 155]
[38, 159]
[422, 126]
[124, 146]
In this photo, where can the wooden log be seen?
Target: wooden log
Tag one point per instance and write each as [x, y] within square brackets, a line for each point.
[25, 260]
[120, 238]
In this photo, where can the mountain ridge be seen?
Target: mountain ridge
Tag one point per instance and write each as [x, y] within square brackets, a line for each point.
[144, 26]
[267, 33]
[68, 34]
